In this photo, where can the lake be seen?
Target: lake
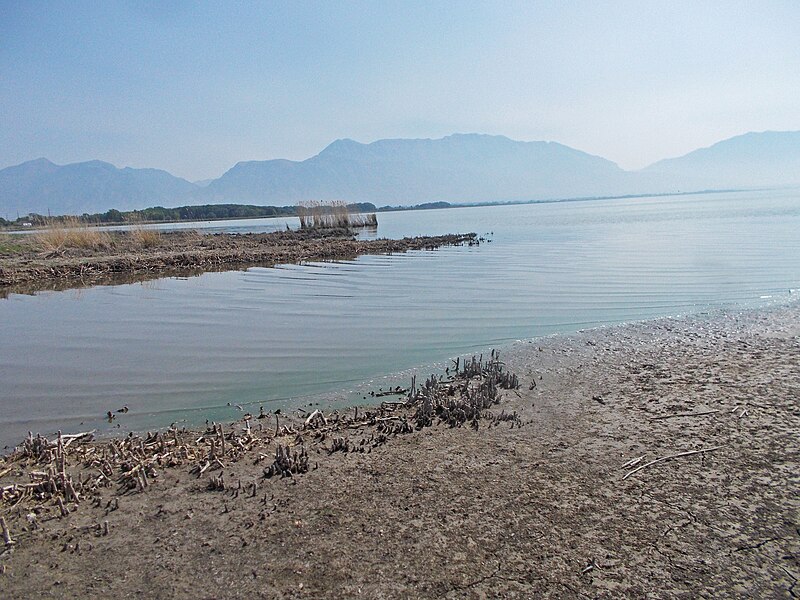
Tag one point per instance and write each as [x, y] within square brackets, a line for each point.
[191, 349]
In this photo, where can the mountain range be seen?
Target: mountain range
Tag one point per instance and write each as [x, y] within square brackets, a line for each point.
[43, 187]
[459, 168]
[770, 158]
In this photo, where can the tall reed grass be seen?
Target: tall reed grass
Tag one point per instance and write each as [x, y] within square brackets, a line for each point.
[144, 237]
[332, 215]
[69, 232]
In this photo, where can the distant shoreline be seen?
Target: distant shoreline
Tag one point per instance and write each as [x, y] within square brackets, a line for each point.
[139, 217]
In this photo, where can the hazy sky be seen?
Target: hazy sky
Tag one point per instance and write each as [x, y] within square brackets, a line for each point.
[193, 87]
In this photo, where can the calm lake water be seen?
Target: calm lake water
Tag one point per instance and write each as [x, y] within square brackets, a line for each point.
[180, 350]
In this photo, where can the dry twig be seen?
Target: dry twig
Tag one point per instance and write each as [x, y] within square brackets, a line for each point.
[658, 460]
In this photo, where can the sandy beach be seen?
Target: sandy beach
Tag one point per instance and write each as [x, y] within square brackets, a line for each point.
[652, 460]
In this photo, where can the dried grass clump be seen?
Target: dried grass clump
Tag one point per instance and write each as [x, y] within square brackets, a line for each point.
[140, 235]
[145, 238]
[332, 215]
[69, 232]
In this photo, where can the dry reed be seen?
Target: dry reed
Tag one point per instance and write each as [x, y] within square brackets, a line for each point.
[146, 238]
[332, 215]
[142, 236]
[69, 232]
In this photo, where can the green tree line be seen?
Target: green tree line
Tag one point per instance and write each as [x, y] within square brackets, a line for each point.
[159, 214]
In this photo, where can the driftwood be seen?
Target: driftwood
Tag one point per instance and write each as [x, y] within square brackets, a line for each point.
[73, 470]
[632, 462]
[658, 460]
[698, 414]
[133, 462]
[71, 437]
[6, 533]
[315, 419]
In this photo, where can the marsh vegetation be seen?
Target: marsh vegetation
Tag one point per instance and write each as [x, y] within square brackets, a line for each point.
[332, 215]
[71, 233]
[88, 256]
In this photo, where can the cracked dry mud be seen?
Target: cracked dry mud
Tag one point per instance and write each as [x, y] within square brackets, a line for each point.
[540, 510]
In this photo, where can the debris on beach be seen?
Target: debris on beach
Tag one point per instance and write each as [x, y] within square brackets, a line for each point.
[55, 476]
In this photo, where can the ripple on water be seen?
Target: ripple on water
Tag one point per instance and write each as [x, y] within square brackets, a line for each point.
[183, 348]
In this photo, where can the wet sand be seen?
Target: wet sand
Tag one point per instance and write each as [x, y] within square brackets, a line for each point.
[535, 502]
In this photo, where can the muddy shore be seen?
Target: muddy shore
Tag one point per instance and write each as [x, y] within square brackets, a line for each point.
[551, 492]
[120, 258]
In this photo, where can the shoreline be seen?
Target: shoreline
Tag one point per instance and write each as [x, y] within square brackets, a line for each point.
[341, 399]
[190, 253]
[531, 505]
[435, 205]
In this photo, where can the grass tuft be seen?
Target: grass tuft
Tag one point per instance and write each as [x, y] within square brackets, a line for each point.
[71, 233]
[142, 236]
[10, 245]
[146, 238]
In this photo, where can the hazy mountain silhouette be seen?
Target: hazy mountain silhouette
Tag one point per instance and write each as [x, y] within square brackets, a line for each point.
[459, 168]
[770, 158]
[95, 186]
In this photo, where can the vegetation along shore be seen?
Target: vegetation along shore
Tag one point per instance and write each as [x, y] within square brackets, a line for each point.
[653, 460]
[62, 257]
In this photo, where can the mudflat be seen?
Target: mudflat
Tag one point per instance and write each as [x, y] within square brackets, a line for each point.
[652, 460]
[88, 257]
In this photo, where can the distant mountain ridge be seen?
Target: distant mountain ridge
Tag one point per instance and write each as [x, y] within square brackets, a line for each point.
[748, 160]
[459, 168]
[94, 186]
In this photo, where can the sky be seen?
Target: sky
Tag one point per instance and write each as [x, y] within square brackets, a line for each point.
[194, 87]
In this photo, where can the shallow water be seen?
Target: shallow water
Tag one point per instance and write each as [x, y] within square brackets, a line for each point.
[180, 350]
